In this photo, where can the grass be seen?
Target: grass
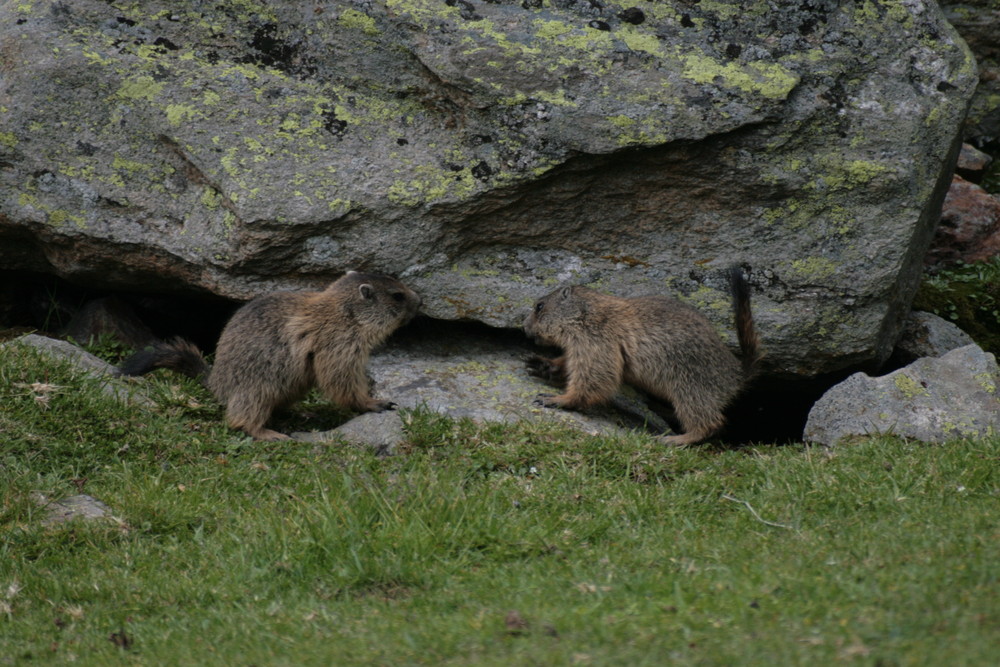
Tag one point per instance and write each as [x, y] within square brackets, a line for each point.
[969, 296]
[479, 544]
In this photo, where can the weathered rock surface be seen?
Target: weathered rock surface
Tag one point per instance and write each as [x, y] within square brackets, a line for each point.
[485, 151]
[476, 375]
[927, 335]
[932, 400]
[970, 226]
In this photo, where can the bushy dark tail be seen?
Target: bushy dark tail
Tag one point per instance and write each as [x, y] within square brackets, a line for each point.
[750, 347]
[176, 354]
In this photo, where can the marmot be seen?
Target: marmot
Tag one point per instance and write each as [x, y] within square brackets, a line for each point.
[277, 347]
[655, 343]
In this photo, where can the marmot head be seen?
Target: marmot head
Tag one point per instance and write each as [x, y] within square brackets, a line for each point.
[377, 299]
[559, 315]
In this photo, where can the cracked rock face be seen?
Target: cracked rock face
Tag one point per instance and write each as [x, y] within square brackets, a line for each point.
[487, 151]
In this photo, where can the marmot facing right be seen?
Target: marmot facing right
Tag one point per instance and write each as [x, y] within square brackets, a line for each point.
[655, 343]
[278, 346]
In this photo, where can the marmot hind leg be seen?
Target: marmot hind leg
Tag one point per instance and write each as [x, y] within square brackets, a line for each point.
[699, 423]
[250, 414]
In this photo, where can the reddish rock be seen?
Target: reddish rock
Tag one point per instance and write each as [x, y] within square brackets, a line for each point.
[972, 163]
[970, 226]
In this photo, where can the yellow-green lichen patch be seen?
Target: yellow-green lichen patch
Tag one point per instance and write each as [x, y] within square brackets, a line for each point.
[551, 30]
[834, 172]
[433, 184]
[770, 80]
[96, 58]
[179, 113]
[909, 387]
[210, 98]
[812, 269]
[210, 198]
[352, 19]
[707, 299]
[933, 118]
[987, 381]
[860, 172]
[8, 139]
[132, 166]
[60, 217]
[140, 88]
[638, 40]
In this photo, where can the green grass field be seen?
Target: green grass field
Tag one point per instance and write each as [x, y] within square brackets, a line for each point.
[478, 544]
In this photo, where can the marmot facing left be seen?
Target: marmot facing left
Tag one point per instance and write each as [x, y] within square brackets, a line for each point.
[277, 347]
[655, 343]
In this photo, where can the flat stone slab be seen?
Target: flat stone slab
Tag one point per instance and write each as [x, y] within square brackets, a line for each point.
[66, 509]
[476, 373]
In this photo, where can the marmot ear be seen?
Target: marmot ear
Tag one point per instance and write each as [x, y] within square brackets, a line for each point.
[566, 292]
[367, 291]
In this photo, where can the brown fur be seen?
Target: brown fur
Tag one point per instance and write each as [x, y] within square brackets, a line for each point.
[277, 347]
[655, 343]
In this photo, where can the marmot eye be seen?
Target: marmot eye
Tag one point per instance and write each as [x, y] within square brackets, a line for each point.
[538, 308]
[398, 296]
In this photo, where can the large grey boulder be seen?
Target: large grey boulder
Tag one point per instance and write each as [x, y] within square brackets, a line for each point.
[486, 151]
[932, 399]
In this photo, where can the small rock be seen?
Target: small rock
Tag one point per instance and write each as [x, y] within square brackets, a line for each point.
[927, 335]
[970, 226]
[65, 350]
[932, 400]
[90, 364]
[380, 431]
[516, 625]
[632, 15]
[972, 163]
[73, 507]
